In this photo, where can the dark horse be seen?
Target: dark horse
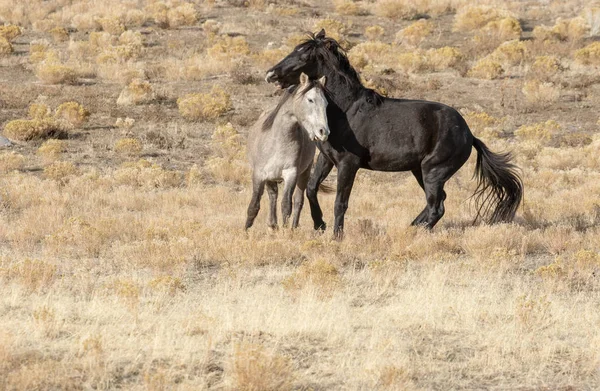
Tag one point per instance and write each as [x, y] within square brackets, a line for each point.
[371, 131]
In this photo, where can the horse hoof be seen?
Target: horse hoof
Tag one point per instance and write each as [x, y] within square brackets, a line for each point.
[320, 227]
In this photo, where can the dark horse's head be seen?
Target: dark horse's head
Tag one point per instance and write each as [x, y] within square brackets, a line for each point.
[312, 57]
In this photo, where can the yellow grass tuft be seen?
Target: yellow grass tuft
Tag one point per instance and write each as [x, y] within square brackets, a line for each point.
[510, 53]
[564, 30]
[35, 129]
[589, 55]
[539, 93]
[144, 174]
[204, 106]
[10, 32]
[34, 275]
[52, 149]
[5, 46]
[137, 92]
[486, 68]
[482, 124]
[73, 113]
[167, 284]
[541, 132]
[333, 27]
[254, 368]
[51, 72]
[59, 34]
[11, 161]
[39, 111]
[60, 171]
[373, 33]
[471, 18]
[128, 146]
[347, 7]
[319, 274]
[367, 53]
[112, 25]
[503, 29]
[415, 33]
[545, 68]
[395, 9]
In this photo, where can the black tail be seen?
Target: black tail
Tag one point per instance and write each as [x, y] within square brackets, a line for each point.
[499, 186]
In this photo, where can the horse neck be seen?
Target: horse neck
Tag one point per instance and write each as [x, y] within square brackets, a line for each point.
[285, 126]
[342, 90]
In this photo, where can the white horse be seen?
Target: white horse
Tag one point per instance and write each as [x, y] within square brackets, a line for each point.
[281, 147]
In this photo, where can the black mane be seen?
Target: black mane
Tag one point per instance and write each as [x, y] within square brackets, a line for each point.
[333, 56]
[287, 94]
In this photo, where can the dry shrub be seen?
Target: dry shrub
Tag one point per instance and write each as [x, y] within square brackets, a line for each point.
[52, 72]
[33, 274]
[39, 51]
[228, 164]
[544, 68]
[510, 53]
[486, 68]
[540, 132]
[475, 17]
[52, 149]
[370, 53]
[373, 33]
[482, 124]
[494, 243]
[533, 313]
[173, 17]
[589, 55]
[396, 9]
[60, 171]
[255, 369]
[39, 111]
[392, 377]
[564, 30]
[204, 106]
[128, 146]
[226, 47]
[112, 25]
[167, 284]
[124, 123]
[146, 175]
[415, 33]
[431, 60]
[59, 34]
[72, 113]
[11, 161]
[347, 7]
[35, 129]
[319, 274]
[5, 46]
[539, 93]
[136, 93]
[10, 32]
[334, 28]
[502, 29]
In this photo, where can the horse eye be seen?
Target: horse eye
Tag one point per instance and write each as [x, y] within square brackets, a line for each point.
[311, 101]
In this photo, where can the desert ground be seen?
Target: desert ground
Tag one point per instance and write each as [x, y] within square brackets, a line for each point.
[123, 259]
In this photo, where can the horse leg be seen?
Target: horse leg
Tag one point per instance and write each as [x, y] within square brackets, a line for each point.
[345, 181]
[299, 196]
[289, 177]
[322, 169]
[258, 187]
[420, 219]
[272, 191]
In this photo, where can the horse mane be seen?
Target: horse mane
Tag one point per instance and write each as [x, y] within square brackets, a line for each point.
[331, 53]
[287, 94]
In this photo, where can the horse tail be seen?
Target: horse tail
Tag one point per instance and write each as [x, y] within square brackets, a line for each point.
[499, 186]
[326, 188]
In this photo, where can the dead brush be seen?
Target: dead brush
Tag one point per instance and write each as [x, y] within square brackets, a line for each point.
[319, 274]
[254, 368]
[471, 18]
[334, 28]
[228, 163]
[541, 132]
[166, 15]
[11, 161]
[167, 285]
[540, 94]
[35, 129]
[72, 113]
[346, 7]
[34, 275]
[545, 68]
[482, 124]
[589, 55]
[370, 53]
[128, 146]
[564, 30]
[144, 174]
[414, 34]
[511, 53]
[5, 46]
[205, 106]
[136, 93]
[60, 171]
[486, 68]
[373, 33]
[51, 71]
[52, 150]
[397, 9]
[10, 32]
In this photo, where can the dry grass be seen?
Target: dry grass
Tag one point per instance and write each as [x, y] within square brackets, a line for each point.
[136, 93]
[124, 264]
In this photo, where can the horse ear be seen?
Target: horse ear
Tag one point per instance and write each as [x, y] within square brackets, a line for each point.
[320, 34]
[322, 80]
[303, 79]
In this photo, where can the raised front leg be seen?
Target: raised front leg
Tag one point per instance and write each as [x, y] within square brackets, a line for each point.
[322, 169]
[345, 181]
[258, 188]
[299, 196]
[290, 176]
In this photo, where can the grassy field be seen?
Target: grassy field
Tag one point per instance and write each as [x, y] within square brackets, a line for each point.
[123, 260]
